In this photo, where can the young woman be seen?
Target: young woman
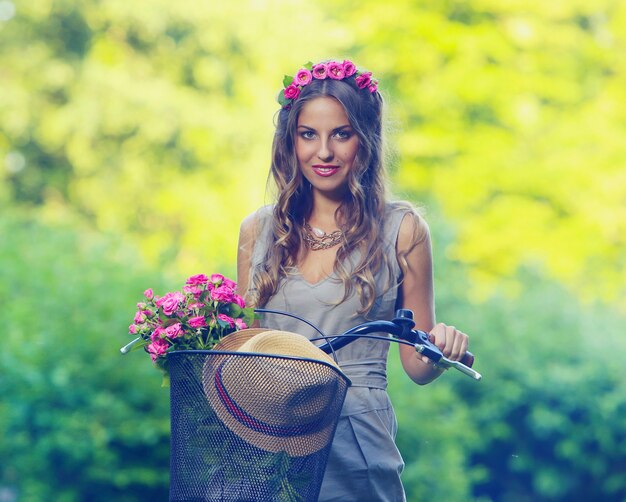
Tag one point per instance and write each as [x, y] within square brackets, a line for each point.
[334, 250]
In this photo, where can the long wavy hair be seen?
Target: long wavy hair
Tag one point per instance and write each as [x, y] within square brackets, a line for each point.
[360, 213]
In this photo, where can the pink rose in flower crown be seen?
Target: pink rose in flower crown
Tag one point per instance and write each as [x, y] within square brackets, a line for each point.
[349, 68]
[363, 80]
[335, 70]
[373, 87]
[319, 71]
[303, 77]
[197, 322]
[292, 91]
[228, 319]
[157, 348]
[170, 302]
[174, 331]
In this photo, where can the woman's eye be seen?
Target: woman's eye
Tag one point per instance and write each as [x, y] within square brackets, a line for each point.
[343, 134]
[307, 134]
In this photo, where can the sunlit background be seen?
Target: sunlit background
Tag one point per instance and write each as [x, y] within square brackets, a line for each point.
[135, 136]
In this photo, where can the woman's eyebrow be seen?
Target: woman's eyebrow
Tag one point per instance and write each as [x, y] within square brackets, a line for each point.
[335, 129]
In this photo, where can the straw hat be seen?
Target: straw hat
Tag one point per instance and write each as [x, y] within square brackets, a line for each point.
[275, 389]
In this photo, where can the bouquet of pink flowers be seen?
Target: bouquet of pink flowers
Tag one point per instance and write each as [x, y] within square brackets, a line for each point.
[206, 310]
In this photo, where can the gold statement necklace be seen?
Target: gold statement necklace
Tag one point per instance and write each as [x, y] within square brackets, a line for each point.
[316, 239]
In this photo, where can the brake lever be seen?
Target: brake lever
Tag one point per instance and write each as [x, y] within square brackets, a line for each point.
[424, 346]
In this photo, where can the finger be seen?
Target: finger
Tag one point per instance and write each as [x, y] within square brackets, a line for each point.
[459, 347]
[451, 334]
[439, 332]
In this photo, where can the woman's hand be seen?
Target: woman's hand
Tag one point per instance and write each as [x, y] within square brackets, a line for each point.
[452, 342]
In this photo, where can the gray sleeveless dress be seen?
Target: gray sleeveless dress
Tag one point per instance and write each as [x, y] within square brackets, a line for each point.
[364, 462]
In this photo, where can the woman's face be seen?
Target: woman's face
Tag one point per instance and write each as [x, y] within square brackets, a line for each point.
[326, 146]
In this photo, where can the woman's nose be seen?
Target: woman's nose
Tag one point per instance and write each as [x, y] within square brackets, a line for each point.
[325, 152]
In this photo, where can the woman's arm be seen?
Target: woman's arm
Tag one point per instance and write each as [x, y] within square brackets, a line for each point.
[417, 294]
[247, 235]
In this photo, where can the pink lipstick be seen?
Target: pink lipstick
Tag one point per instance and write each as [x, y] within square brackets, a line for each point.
[325, 170]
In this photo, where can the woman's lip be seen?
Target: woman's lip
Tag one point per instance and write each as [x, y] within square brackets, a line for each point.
[325, 171]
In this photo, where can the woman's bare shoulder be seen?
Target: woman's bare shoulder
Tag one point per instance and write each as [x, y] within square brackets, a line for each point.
[250, 225]
[413, 229]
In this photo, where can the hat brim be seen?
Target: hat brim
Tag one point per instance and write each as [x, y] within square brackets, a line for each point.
[232, 342]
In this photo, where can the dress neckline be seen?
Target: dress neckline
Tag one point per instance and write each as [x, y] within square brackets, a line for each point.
[313, 284]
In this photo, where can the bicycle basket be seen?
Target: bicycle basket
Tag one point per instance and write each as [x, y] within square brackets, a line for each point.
[248, 427]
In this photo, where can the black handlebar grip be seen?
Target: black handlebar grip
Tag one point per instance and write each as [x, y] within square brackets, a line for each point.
[468, 359]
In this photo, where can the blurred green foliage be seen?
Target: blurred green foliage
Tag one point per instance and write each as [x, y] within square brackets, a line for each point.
[134, 136]
[77, 422]
[509, 114]
[545, 423]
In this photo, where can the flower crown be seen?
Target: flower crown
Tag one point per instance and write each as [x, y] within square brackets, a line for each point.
[321, 71]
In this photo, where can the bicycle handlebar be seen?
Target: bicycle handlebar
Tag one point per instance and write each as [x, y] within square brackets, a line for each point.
[401, 327]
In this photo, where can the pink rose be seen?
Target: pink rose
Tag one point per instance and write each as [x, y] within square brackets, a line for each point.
[373, 87]
[132, 329]
[223, 294]
[158, 334]
[319, 71]
[175, 330]
[303, 77]
[229, 284]
[364, 79]
[349, 68]
[148, 293]
[225, 318]
[140, 318]
[170, 302]
[197, 280]
[217, 279]
[195, 306]
[157, 348]
[239, 301]
[335, 70]
[240, 324]
[197, 322]
[292, 91]
[194, 290]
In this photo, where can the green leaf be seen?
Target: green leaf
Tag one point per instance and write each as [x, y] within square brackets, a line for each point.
[287, 80]
[236, 310]
[282, 99]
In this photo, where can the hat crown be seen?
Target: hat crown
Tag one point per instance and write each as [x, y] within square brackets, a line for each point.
[275, 391]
